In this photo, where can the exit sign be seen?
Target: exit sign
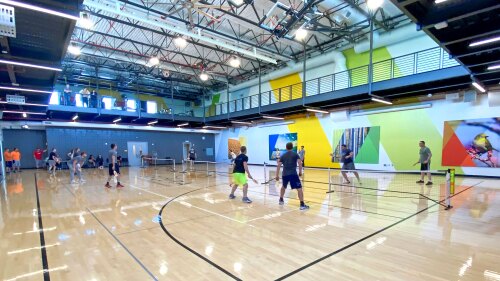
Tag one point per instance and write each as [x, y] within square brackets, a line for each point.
[16, 99]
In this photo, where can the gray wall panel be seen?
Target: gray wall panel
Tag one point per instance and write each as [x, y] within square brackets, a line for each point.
[98, 141]
[26, 141]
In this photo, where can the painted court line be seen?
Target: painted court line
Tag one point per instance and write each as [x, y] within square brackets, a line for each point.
[189, 205]
[45, 262]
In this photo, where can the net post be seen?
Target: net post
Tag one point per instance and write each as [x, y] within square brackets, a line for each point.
[450, 187]
[265, 172]
[142, 162]
[174, 164]
[329, 179]
[208, 174]
[156, 164]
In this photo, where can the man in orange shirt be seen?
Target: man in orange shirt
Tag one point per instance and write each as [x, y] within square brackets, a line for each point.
[7, 156]
[16, 160]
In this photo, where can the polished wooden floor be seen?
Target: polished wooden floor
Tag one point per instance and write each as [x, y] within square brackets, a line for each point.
[381, 229]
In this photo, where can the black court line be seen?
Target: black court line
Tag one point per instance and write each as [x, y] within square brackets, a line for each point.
[185, 246]
[45, 262]
[365, 238]
[117, 240]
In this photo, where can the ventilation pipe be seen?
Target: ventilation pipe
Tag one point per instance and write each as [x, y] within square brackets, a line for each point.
[335, 57]
[406, 32]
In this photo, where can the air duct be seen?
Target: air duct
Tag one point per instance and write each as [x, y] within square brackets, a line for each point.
[404, 33]
[335, 57]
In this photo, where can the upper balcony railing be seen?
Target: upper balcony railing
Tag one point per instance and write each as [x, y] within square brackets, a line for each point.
[411, 64]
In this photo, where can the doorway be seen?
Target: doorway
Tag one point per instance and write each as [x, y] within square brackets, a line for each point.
[186, 146]
[136, 150]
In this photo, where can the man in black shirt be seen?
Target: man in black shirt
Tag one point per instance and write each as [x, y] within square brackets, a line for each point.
[239, 176]
[290, 160]
[348, 166]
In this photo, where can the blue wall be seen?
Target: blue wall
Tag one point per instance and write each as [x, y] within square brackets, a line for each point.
[27, 141]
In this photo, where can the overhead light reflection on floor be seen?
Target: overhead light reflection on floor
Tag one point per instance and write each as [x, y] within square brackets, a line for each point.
[64, 267]
[492, 275]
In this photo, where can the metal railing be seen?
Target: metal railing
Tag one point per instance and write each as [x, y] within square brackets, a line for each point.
[411, 64]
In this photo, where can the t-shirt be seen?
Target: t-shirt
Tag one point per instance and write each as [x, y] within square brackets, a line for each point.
[112, 153]
[38, 154]
[52, 156]
[425, 152]
[77, 159]
[7, 156]
[302, 153]
[192, 153]
[345, 153]
[238, 163]
[16, 156]
[289, 161]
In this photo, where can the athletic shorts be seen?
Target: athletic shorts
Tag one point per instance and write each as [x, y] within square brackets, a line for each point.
[349, 166]
[117, 169]
[240, 178]
[192, 158]
[8, 164]
[294, 181]
[425, 167]
[16, 163]
[52, 163]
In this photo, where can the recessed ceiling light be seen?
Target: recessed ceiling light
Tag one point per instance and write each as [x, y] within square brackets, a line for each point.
[38, 9]
[25, 90]
[75, 117]
[381, 100]
[317, 110]
[29, 65]
[484, 42]
[183, 125]
[154, 61]
[440, 1]
[479, 87]
[241, 122]
[117, 120]
[301, 34]
[25, 115]
[374, 4]
[85, 21]
[273, 117]
[180, 42]
[213, 127]
[203, 76]
[235, 61]
[23, 112]
[74, 49]
[493, 67]
[152, 122]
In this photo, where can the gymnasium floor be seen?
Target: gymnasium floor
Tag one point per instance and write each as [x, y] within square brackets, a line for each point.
[379, 230]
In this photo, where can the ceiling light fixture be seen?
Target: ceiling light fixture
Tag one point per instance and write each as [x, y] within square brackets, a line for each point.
[30, 65]
[484, 42]
[440, 1]
[203, 76]
[380, 99]
[242, 122]
[479, 87]
[24, 104]
[374, 4]
[154, 61]
[152, 122]
[24, 90]
[301, 34]
[317, 110]
[74, 49]
[85, 21]
[74, 117]
[25, 115]
[183, 125]
[117, 120]
[494, 67]
[273, 117]
[38, 9]
[213, 127]
[23, 112]
[235, 61]
[180, 42]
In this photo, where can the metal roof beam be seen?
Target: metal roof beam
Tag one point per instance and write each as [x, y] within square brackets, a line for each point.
[115, 8]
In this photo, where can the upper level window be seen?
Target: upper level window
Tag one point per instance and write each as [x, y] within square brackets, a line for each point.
[108, 102]
[54, 98]
[151, 107]
[131, 105]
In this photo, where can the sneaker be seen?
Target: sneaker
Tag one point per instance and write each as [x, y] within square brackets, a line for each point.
[420, 181]
[74, 182]
[231, 196]
[429, 183]
[83, 181]
[304, 207]
[119, 185]
[282, 202]
[107, 185]
[246, 200]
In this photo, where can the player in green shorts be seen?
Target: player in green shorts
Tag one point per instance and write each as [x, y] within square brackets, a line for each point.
[239, 175]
